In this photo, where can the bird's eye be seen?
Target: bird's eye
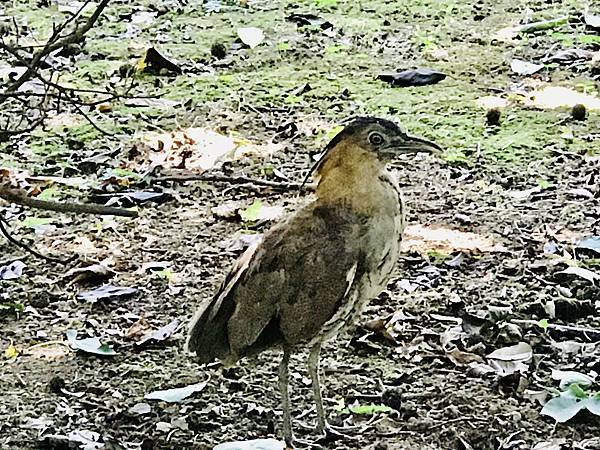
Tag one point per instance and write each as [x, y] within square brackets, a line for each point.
[376, 138]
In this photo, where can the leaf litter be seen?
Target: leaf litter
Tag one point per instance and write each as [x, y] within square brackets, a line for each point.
[436, 393]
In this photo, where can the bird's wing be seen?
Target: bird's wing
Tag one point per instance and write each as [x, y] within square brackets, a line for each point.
[283, 289]
[299, 277]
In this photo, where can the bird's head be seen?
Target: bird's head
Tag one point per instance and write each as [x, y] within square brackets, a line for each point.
[371, 138]
[382, 137]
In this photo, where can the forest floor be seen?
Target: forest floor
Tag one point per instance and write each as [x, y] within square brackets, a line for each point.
[493, 226]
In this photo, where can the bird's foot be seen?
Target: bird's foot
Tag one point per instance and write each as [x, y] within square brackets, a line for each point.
[330, 433]
[302, 444]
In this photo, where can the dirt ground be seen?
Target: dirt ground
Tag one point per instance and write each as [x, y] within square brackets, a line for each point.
[527, 189]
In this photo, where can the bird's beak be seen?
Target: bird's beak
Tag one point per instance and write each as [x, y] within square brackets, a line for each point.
[411, 144]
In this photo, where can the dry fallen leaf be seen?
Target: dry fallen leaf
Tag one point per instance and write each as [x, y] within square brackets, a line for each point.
[550, 97]
[51, 351]
[461, 358]
[491, 101]
[161, 334]
[251, 36]
[521, 67]
[423, 239]
[95, 272]
[508, 360]
[193, 149]
[581, 272]
[138, 329]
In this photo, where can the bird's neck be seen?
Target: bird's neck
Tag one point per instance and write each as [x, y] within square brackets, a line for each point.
[357, 178]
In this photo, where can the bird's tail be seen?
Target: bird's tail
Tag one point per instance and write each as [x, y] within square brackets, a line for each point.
[208, 335]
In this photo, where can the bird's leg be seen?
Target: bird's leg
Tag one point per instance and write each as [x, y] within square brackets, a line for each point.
[323, 427]
[285, 397]
[313, 370]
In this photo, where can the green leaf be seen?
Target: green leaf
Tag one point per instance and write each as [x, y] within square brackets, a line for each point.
[563, 407]
[577, 391]
[333, 49]
[35, 222]
[335, 130]
[455, 156]
[252, 212]
[226, 79]
[49, 194]
[292, 99]
[544, 184]
[15, 307]
[543, 324]
[589, 39]
[325, 3]
[340, 406]
[369, 409]
[89, 345]
[167, 274]
[118, 172]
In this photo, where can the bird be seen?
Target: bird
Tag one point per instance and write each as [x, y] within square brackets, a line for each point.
[312, 273]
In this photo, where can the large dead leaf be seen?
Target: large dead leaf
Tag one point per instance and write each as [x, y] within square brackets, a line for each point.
[581, 272]
[106, 292]
[508, 360]
[89, 345]
[177, 394]
[390, 327]
[462, 358]
[12, 271]
[251, 36]
[549, 97]
[193, 149]
[94, 272]
[161, 334]
[255, 444]
[50, 350]
[257, 211]
[14, 178]
[423, 239]
[521, 67]
[491, 101]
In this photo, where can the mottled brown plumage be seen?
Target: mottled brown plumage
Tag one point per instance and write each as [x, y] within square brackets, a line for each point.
[312, 274]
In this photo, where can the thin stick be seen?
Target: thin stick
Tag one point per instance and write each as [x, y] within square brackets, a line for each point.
[559, 327]
[280, 185]
[25, 247]
[55, 42]
[14, 196]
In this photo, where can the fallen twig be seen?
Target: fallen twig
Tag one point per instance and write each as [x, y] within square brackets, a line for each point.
[279, 185]
[552, 326]
[27, 248]
[20, 198]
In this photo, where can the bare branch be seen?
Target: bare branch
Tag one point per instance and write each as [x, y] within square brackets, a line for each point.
[56, 42]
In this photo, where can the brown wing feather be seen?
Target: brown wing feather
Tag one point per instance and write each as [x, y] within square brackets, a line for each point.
[297, 280]
[285, 290]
